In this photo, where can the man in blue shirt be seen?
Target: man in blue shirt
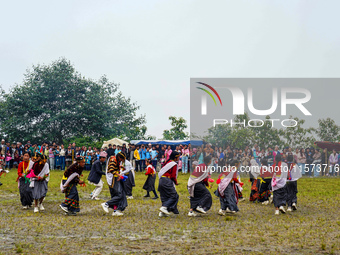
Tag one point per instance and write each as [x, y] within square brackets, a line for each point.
[148, 154]
[142, 154]
[154, 155]
[118, 150]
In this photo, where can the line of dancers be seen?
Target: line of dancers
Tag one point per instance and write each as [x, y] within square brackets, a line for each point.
[279, 187]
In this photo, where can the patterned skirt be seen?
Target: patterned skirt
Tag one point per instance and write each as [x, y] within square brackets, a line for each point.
[71, 197]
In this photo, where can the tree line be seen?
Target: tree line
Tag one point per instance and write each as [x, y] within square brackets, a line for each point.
[268, 136]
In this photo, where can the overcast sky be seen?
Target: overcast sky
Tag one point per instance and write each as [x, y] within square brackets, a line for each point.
[153, 48]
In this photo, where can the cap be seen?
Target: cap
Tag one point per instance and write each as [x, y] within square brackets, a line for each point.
[103, 154]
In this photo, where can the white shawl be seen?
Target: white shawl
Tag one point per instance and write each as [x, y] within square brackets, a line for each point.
[254, 168]
[44, 171]
[109, 176]
[225, 182]
[295, 173]
[166, 168]
[69, 179]
[128, 168]
[281, 178]
[193, 179]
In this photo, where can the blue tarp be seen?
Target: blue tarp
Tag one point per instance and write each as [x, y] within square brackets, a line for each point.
[168, 142]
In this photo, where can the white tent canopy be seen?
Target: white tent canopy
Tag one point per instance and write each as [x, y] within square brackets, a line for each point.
[115, 141]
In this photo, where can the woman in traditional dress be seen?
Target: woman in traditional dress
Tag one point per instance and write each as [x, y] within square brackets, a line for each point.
[280, 170]
[39, 177]
[226, 190]
[149, 184]
[255, 183]
[265, 180]
[26, 196]
[200, 197]
[69, 182]
[126, 169]
[291, 186]
[167, 181]
[118, 201]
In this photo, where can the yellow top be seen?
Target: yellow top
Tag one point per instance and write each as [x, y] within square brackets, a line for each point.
[136, 155]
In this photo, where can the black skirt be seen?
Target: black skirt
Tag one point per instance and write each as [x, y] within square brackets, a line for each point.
[129, 184]
[26, 196]
[169, 196]
[149, 184]
[202, 197]
[118, 199]
[291, 188]
[280, 197]
[229, 198]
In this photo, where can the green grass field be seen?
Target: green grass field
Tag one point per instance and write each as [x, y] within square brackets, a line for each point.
[313, 228]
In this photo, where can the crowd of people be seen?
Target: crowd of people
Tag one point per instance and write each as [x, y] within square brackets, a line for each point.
[60, 157]
[120, 163]
[312, 162]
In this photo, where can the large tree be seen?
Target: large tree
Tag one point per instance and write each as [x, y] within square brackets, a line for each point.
[55, 102]
[298, 136]
[328, 130]
[267, 135]
[177, 131]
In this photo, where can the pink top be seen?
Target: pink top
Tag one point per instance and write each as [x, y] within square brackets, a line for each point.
[185, 152]
[168, 153]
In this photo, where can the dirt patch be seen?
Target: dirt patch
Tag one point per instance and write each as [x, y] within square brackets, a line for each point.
[314, 228]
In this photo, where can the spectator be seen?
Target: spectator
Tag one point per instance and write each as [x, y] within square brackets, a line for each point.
[88, 162]
[51, 157]
[154, 154]
[309, 161]
[68, 156]
[142, 154]
[118, 150]
[185, 156]
[137, 158]
[124, 149]
[333, 161]
[62, 154]
[3, 148]
[317, 162]
[301, 161]
[148, 154]
[110, 151]
[57, 157]
[323, 162]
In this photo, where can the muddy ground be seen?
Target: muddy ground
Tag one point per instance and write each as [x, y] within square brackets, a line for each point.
[313, 228]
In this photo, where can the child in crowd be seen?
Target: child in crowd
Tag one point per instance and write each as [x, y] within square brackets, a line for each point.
[8, 160]
[88, 162]
[162, 160]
